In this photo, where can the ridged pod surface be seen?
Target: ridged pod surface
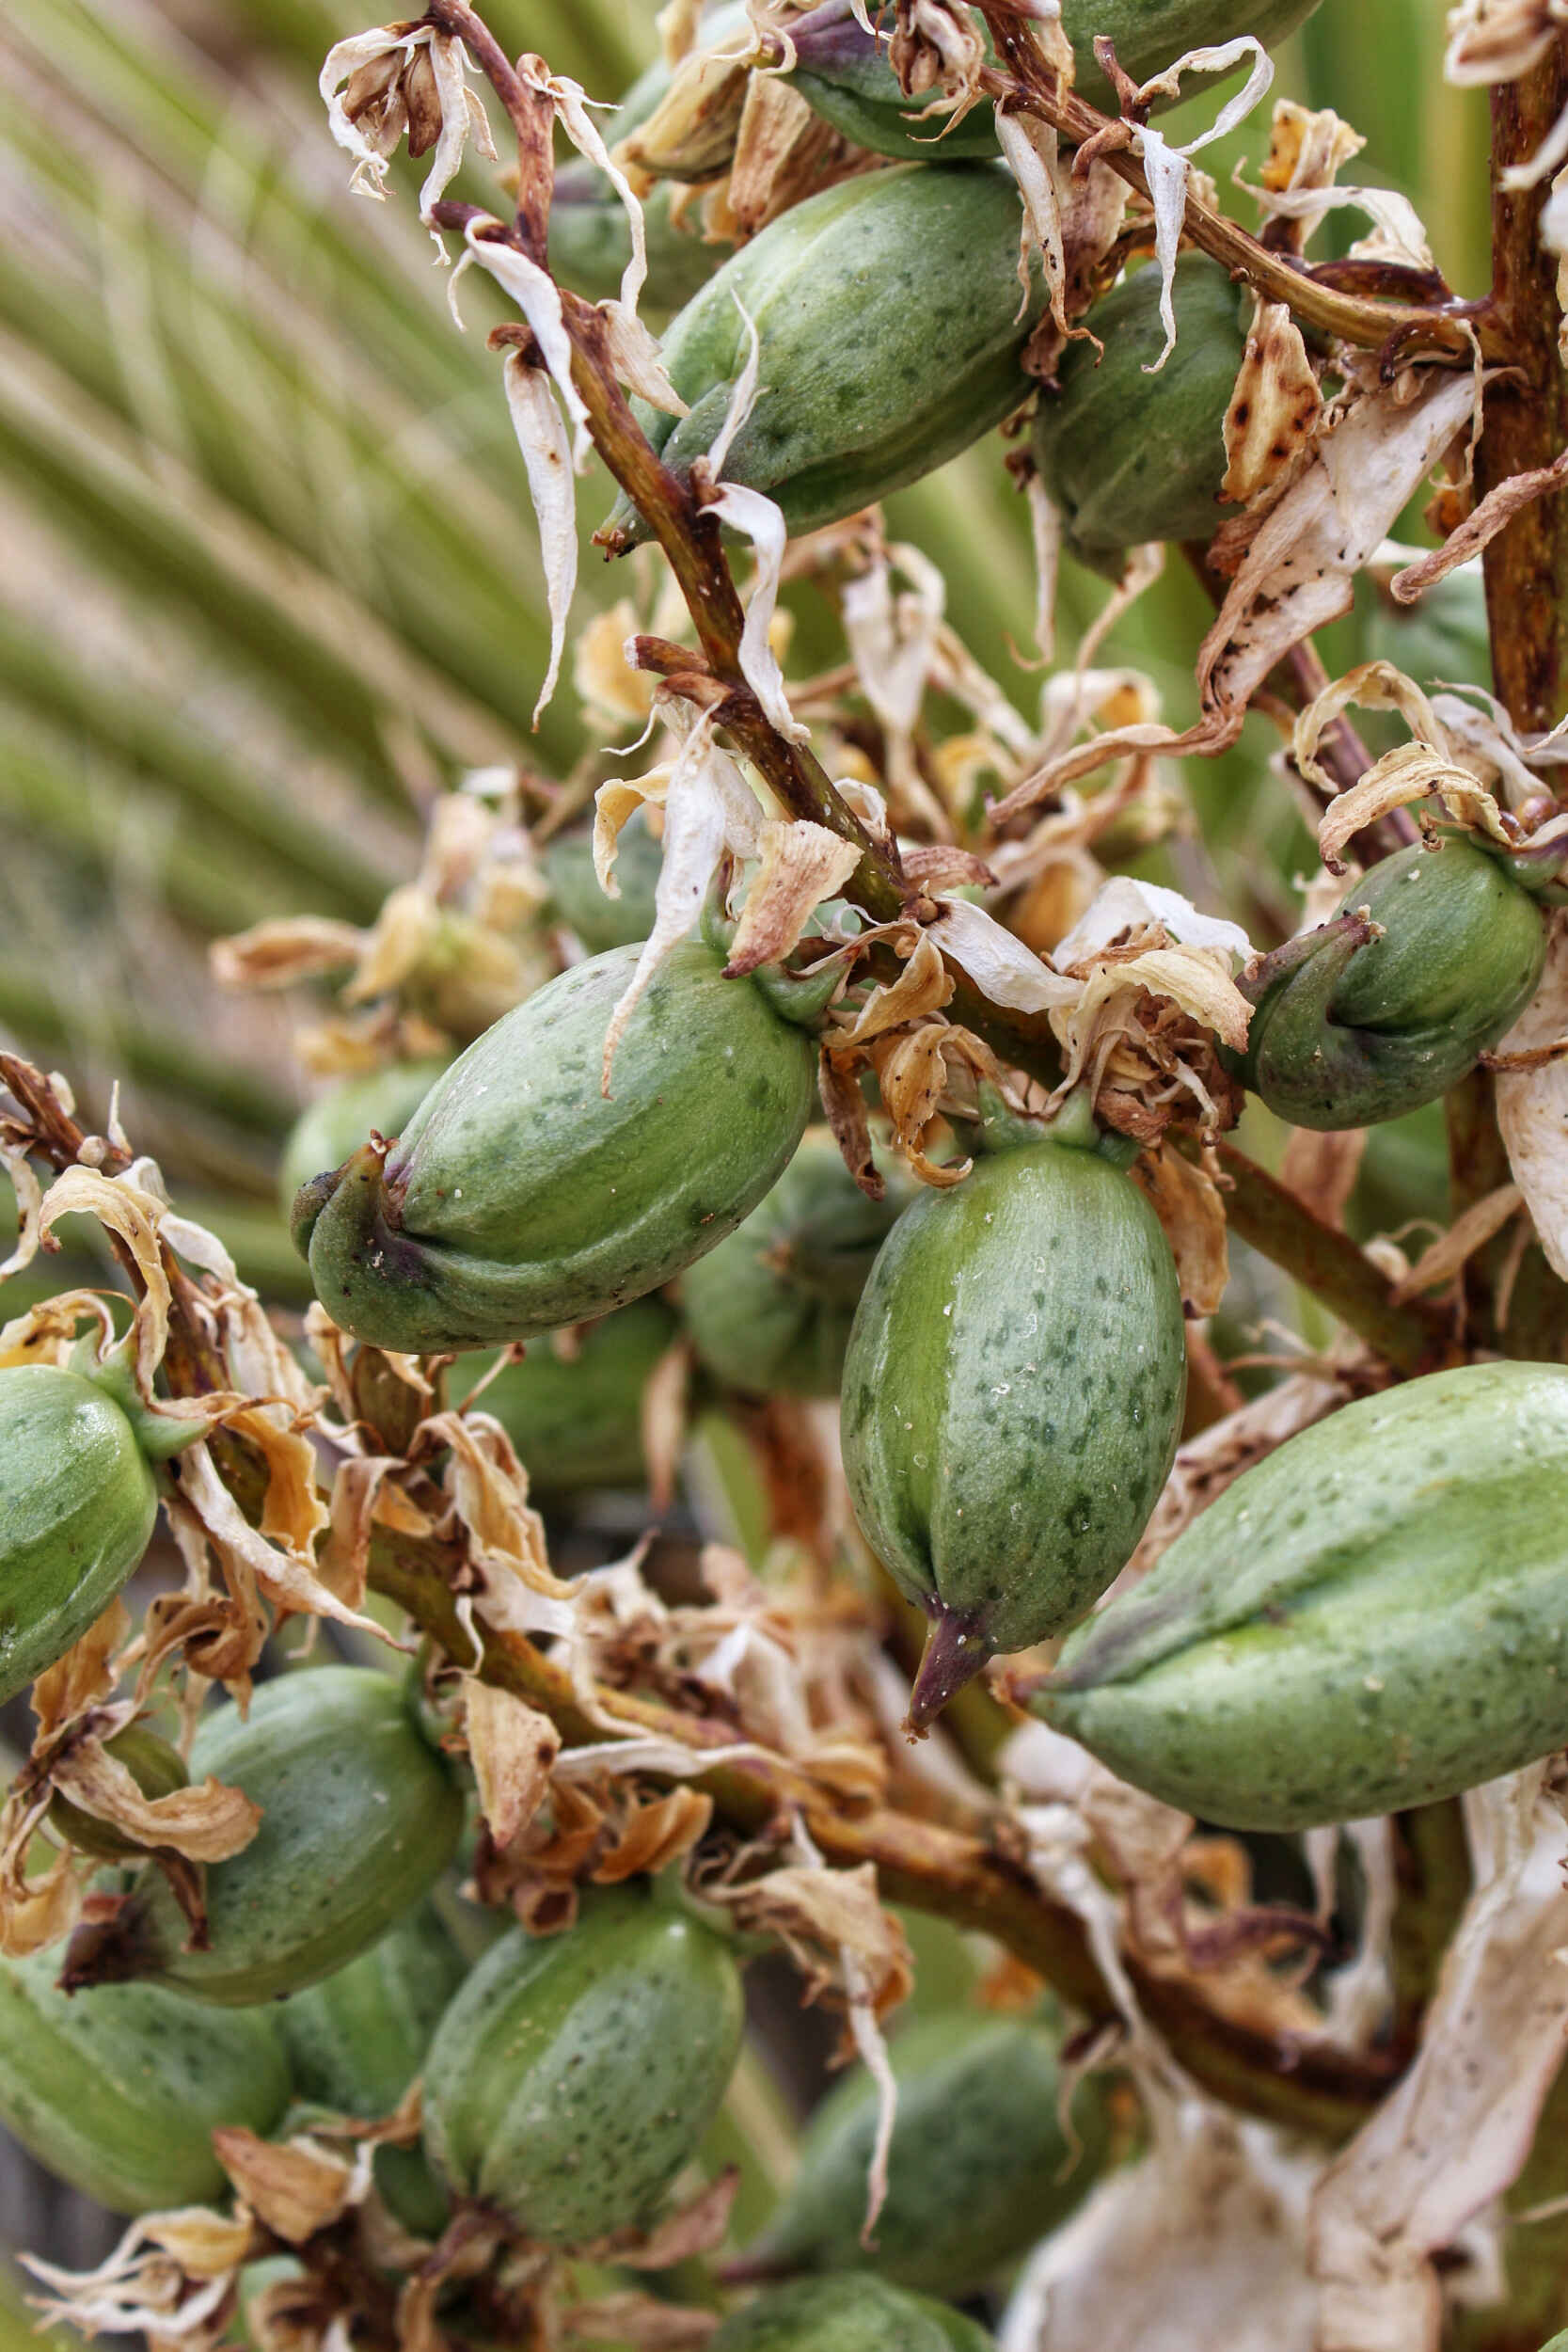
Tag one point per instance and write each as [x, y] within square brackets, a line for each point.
[357, 2041]
[1128, 456]
[519, 1199]
[845, 76]
[770, 1308]
[340, 1121]
[890, 332]
[854, 2314]
[577, 1419]
[980, 2166]
[575, 2074]
[1012, 1399]
[77, 1507]
[118, 2090]
[1348, 1029]
[1373, 1617]
[358, 1820]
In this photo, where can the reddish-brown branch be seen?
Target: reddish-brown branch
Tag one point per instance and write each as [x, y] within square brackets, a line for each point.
[1526, 414]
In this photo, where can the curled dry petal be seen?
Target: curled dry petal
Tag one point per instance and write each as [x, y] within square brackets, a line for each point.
[1274, 409]
[801, 864]
[205, 1825]
[1165, 167]
[1457, 2128]
[295, 2188]
[512, 1748]
[1188, 1206]
[1532, 1104]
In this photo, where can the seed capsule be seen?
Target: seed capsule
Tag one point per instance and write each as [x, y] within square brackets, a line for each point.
[117, 2092]
[1128, 456]
[577, 1419]
[1352, 1027]
[981, 2163]
[851, 2314]
[769, 1310]
[357, 2041]
[358, 1819]
[77, 1507]
[1369, 1619]
[890, 325]
[519, 1199]
[1012, 1398]
[575, 2074]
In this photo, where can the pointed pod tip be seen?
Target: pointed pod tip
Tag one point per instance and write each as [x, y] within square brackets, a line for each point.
[955, 1651]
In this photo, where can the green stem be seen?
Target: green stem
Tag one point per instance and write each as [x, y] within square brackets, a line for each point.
[1412, 1336]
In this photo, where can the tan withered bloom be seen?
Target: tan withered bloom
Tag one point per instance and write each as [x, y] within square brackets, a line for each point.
[404, 79]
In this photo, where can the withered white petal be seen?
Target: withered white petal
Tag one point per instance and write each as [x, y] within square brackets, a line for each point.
[1001, 967]
[542, 436]
[758, 520]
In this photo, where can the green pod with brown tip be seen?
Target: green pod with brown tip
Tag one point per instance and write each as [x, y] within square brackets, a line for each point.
[575, 1417]
[117, 2092]
[358, 1818]
[357, 2041]
[855, 2313]
[1353, 1025]
[340, 1121]
[1128, 456]
[771, 1310]
[891, 328]
[1373, 1617]
[982, 2164]
[1012, 1397]
[77, 1507]
[521, 1198]
[574, 2076]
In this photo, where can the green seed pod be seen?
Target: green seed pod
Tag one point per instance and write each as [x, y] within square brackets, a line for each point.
[358, 1818]
[575, 2074]
[77, 1506]
[520, 1199]
[599, 921]
[770, 1310]
[1369, 1619]
[340, 1121]
[577, 1421]
[1351, 1029]
[1012, 1397]
[157, 1770]
[844, 73]
[590, 241]
[980, 2165]
[117, 2092]
[356, 2041]
[854, 2314]
[1129, 457]
[887, 310]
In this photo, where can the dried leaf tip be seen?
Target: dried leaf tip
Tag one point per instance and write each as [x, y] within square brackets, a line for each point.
[954, 1652]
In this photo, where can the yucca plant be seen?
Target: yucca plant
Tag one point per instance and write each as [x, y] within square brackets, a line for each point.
[760, 1091]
